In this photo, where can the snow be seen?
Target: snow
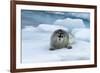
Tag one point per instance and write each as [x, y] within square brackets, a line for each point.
[50, 28]
[36, 44]
[70, 23]
[82, 34]
[29, 28]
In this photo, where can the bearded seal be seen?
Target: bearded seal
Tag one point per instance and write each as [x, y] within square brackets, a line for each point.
[60, 39]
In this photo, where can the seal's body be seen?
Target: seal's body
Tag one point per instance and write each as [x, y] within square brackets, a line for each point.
[60, 39]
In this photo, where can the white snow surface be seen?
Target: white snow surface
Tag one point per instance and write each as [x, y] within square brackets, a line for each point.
[36, 44]
[29, 28]
[82, 34]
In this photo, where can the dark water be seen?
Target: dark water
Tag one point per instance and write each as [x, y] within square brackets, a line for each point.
[34, 18]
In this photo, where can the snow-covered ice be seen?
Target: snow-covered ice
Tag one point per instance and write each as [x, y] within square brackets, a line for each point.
[82, 34]
[70, 23]
[36, 44]
[50, 28]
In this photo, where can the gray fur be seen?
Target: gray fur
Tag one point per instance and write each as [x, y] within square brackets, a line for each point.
[60, 39]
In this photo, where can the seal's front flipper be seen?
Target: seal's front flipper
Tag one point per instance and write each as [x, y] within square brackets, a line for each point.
[69, 47]
[52, 49]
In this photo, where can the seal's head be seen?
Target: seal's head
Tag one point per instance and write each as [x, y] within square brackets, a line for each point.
[59, 39]
[60, 35]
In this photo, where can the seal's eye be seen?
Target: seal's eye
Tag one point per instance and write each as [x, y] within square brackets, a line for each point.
[61, 36]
